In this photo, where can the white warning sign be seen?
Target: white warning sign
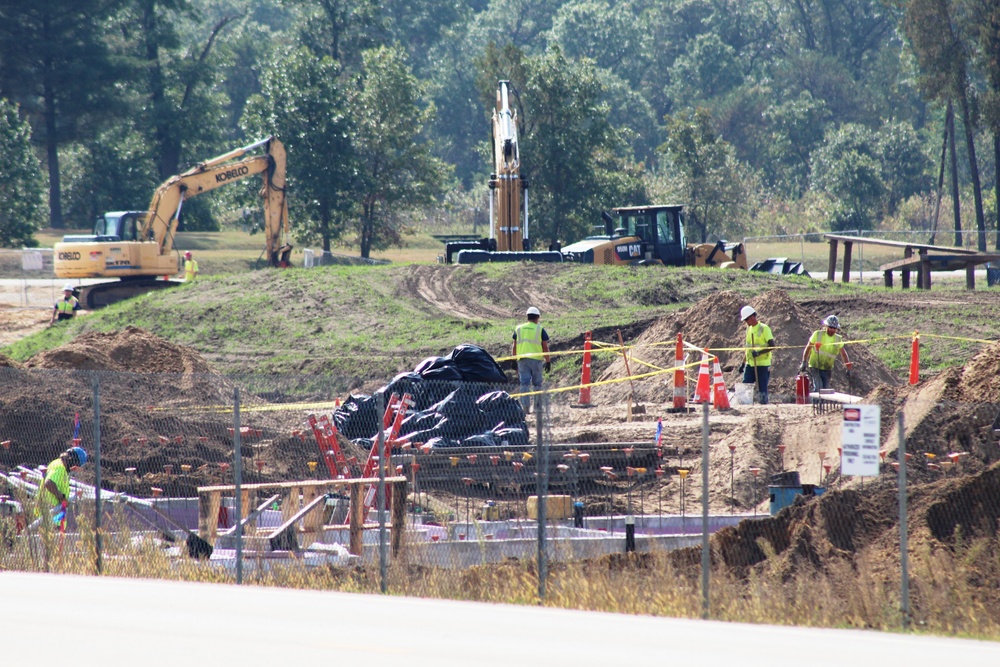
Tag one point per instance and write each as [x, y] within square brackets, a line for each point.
[860, 440]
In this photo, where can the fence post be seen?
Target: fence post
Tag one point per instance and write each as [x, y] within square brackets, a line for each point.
[380, 495]
[238, 481]
[904, 565]
[705, 559]
[98, 542]
[542, 466]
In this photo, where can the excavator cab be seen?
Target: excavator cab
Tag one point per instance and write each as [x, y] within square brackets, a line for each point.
[113, 227]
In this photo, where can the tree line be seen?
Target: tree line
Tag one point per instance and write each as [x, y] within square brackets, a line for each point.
[760, 116]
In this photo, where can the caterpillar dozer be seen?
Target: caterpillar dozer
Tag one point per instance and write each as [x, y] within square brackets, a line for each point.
[648, 235]
[137, 247]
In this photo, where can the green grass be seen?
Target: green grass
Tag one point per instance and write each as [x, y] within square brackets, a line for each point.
[361, 323]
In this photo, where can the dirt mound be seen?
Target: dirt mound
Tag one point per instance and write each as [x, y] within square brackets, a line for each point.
[981, 377]
[132, 350]
[7, 362]
[714, 323]
[161, 405]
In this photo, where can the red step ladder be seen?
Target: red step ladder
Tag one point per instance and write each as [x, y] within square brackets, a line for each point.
[395, 413]
[333, 456]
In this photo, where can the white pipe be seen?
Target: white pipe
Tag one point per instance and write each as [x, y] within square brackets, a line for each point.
[492, 221]
[526, 214]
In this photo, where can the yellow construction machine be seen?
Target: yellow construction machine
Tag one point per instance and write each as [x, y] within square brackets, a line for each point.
[509, 240]
[138, 247]
[645, 235]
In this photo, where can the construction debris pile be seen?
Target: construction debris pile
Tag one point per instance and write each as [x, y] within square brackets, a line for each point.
[455, 403]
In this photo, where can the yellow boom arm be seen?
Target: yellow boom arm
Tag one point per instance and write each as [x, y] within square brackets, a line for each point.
[168, 200]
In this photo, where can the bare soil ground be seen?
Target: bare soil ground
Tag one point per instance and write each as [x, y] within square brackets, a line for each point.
[948, 419]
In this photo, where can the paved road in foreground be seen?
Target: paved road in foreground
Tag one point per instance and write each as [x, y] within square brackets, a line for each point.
[105, 621]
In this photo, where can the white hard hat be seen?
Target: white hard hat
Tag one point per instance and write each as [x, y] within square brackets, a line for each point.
[746, 312]
[68, 287]
[832, 322]
[533, 311]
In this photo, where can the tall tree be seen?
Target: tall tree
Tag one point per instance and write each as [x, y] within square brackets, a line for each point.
[54, 61]
[701, 170]
[942, 54]
[180, 78]
[396, 170]
[21, 192]
[302, 102]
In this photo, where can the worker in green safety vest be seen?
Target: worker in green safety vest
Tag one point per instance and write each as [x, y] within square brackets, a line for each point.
[190, 267]
[530, 348]
[66, 307]
[759, 345]
[54, 490]
[821, 353]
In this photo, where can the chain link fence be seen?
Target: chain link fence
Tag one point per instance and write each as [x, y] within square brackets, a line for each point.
[716, 513]
[27, 279]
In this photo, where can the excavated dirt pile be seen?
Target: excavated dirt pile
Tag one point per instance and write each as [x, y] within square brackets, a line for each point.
[161, 405]
[952, 413]
[714, 323]
[842, 533]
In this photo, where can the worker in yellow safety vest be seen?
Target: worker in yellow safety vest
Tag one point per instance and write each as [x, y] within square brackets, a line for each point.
[531, 346]
[66, 307]
[54, 491]
[821, 353]
[759, 345]
[190, 267]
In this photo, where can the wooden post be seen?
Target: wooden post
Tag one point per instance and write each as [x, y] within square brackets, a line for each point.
[245, 504]
[831, 271]
[925, 271]
[970, 276]
[208, 515]
[291, 503]
[398, 516]
[357, 519]
[847, 262]
[888, 279]
[314, 520]
[905, 273]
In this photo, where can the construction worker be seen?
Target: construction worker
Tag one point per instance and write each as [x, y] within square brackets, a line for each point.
[55, 489]
[190, 267]
[821, 352]
[531, 345]
[66, 307]
[759, 344]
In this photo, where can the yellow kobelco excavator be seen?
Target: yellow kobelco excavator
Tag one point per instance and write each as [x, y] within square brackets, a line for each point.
[137, 247]
[651, 235]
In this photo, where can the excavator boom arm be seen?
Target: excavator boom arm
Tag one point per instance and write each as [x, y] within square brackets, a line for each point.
[168, 200]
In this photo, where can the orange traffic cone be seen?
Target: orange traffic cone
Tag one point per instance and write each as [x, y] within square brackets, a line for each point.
[719, 392]
[703, 390]
[915, 359]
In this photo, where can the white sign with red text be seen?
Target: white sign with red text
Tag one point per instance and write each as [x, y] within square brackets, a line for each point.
[860, 440]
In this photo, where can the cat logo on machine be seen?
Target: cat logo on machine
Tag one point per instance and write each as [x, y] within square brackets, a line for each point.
[629, 250]
[69, 256]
